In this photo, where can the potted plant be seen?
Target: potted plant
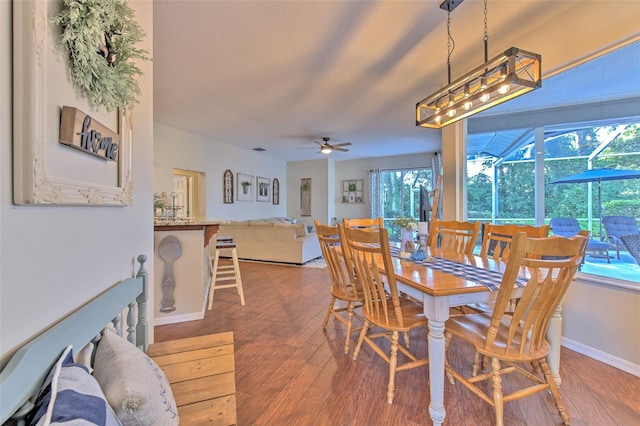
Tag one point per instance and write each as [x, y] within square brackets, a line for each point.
[245, 186]
[352, 187]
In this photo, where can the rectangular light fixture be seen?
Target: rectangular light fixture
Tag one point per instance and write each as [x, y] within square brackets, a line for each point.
[508, 75]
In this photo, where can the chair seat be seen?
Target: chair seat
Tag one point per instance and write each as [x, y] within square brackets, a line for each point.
[412, 315]
[473, 328]
[347, 294]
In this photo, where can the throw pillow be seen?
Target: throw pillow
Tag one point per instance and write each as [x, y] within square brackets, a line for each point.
[70, 395]
[136, 388]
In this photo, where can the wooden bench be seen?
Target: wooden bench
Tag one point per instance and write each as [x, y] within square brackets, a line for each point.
[201, 371]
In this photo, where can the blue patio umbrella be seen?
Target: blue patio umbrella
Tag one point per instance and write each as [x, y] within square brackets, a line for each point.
[599, 175]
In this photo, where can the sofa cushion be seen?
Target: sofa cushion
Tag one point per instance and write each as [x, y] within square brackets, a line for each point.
[70, 395]
[136, 388]
[261, 223]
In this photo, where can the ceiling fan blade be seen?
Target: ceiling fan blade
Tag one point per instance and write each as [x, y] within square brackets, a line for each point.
[307, 147]
[340, 149]
[341, 144]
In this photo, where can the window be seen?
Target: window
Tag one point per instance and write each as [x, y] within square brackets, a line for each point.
[400, 193]
[503, 190]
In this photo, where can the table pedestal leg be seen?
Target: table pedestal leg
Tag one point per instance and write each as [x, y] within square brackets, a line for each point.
[437, 311]
[554, 336]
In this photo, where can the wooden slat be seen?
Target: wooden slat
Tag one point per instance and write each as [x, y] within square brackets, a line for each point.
[190, 343]
[200, 368]
[204, 388]
[180, 357]
[216, 412]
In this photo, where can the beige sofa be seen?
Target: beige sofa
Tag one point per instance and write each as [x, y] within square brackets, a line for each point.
[273, 240]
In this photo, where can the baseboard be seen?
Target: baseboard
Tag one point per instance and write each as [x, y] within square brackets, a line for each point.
[178, 318]
[597, 354]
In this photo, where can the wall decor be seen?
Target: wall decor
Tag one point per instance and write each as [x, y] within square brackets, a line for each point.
[353, 191]
[100, 40]
[44, 171]
[263, 189]
[305, 197]
[276, 191]
[78, 130]
[244, 187]
[227, 187]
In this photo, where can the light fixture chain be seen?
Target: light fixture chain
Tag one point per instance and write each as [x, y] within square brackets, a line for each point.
[486, 34]
[450, 45]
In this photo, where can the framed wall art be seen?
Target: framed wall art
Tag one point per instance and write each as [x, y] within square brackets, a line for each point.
[227, 187]
[244, 187]
[263, 189]
[276, 191]
[353, 191]
[45, 171]
[305, 197]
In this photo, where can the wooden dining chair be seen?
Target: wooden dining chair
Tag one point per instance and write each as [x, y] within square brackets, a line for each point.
[383, 307]
[513, 338]
[496, 239]
[344, 286]
[453, 235]
[364, 223]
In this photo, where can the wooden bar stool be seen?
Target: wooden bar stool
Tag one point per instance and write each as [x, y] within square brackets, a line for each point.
[225, 273]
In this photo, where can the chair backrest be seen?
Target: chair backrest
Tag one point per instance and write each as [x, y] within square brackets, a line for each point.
[565, 226]
[615, 226]
[453, 235]
[370, 253]
[338, 258]
[364, 223]
[496, 241]
[551, 264]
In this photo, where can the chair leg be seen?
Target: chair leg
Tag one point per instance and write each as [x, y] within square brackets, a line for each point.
[498, 403]
[476, 364]
[214, 271]
[347, 340]
[363, 332]
[406, 340]
[328, 314]
[447, 341]
[554, 391]
[393, 363]
[236, 270]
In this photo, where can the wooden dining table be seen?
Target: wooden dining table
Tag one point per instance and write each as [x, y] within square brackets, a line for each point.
[440, 288]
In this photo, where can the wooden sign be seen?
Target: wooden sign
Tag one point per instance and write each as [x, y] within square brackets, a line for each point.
[78, 130]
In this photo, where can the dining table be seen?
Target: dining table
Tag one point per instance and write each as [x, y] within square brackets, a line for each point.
[448, 279]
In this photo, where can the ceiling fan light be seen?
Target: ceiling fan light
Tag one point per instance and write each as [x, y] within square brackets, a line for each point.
[325, 150]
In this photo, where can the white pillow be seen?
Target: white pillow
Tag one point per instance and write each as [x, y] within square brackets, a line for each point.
[136, 388]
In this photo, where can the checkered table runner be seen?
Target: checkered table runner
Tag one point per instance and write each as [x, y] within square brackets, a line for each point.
[489, 279]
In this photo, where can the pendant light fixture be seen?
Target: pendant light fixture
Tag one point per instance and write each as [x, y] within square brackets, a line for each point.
[510, 74]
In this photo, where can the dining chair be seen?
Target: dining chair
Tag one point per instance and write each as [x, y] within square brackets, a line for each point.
[453, 235]
[616, 226]
[513, 338]
[383, 307]
[364, 223]
[496, 239]
[344, 286]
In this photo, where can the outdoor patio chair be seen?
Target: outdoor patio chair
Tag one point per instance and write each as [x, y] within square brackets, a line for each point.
[569, 226]
[632, 243]
[616, 226]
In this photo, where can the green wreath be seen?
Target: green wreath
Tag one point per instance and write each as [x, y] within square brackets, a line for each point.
[100, 37]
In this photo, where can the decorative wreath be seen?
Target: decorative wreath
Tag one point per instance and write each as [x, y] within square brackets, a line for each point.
[100, 37]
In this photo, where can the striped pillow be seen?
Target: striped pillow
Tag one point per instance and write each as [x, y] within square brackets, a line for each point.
[70, 395]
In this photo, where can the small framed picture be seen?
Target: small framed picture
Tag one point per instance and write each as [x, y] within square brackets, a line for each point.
[263, 190]
[352, 198]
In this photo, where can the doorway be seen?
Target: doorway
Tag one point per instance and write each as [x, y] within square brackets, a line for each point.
[189, 187]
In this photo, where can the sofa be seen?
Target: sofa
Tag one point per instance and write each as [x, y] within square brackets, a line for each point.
[273, 240]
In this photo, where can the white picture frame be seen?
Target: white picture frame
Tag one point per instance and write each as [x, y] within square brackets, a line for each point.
[263, 189]
[44, 171]
[244, 191]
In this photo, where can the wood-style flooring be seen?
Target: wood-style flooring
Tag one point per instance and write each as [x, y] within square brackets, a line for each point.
[291, 372]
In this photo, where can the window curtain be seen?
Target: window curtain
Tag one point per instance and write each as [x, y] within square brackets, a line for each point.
[375, 196]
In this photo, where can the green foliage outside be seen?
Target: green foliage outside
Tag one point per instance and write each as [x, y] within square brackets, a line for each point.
[401, 196]
[564, 155]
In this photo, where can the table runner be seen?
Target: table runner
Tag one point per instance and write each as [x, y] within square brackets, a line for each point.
[490, 279]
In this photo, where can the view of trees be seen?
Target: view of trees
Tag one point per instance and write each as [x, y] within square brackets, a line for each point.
[401, 196]
[565, 154]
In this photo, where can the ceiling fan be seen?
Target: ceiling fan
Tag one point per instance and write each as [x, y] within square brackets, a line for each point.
[327, 148]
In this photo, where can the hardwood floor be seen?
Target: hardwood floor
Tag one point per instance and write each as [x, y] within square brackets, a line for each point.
[291, 372]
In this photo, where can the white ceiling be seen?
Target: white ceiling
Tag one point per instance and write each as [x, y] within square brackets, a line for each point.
[280, 74]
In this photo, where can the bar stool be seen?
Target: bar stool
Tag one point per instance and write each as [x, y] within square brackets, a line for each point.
[225, 273]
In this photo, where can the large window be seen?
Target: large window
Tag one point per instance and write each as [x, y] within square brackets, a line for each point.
[400, 192]
[503, 190]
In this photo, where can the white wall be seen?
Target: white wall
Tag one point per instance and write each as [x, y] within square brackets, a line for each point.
[54, 259]
[175, 148]
[321, 174]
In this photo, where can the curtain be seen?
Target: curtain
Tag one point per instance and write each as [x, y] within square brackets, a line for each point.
[375, 196]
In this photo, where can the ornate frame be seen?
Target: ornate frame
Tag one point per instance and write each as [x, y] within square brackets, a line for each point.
[227, 187]
[32, 182]
[276, 191]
